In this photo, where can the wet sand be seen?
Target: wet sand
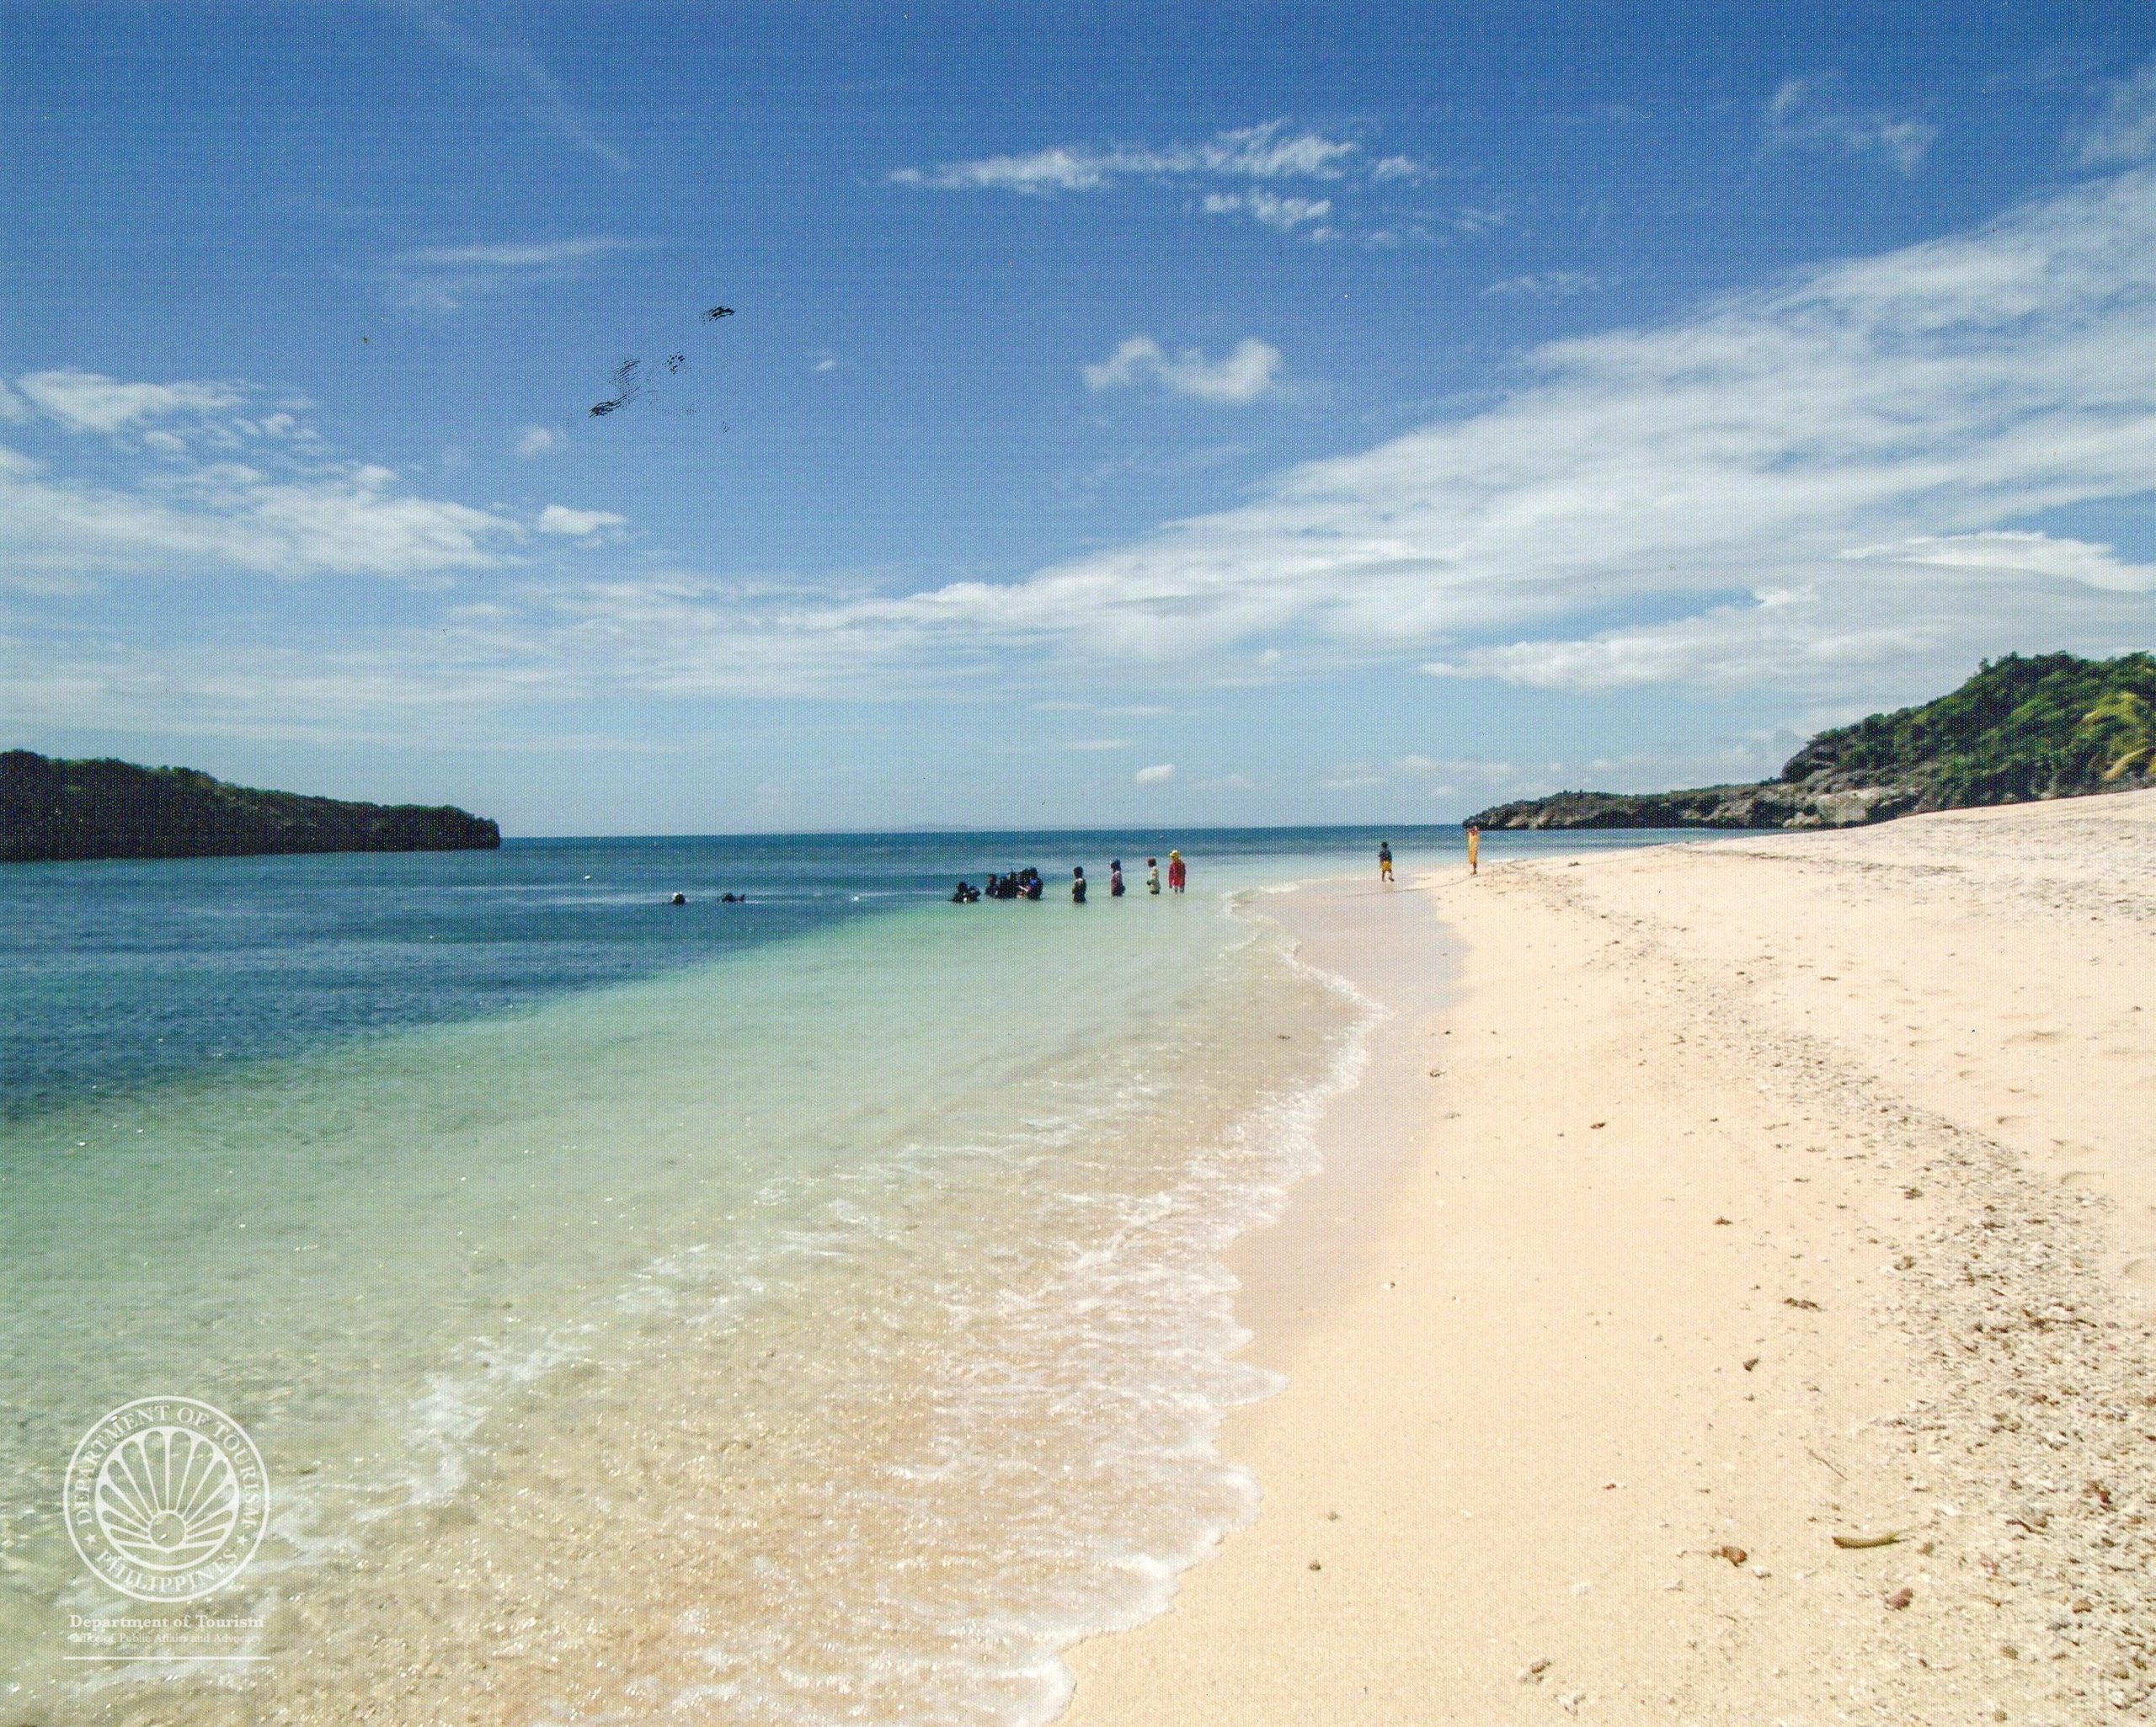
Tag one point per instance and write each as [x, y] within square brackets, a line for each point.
[1737, 1196]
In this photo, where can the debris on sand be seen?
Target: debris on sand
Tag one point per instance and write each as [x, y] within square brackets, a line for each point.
[1858, 1541]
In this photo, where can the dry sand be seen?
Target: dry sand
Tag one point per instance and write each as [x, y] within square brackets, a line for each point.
[1741, 1195]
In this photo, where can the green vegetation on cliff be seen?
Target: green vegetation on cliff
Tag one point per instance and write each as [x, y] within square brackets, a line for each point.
[51, 811]
[2049, 725]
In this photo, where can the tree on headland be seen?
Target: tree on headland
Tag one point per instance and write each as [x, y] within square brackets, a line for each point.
[2126, 724]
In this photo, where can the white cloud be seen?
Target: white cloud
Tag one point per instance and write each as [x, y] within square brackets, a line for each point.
[89, 402]
[537, 440]
[1810, 113]
[2126, 132]
[825, 364]
[1088, 746]
[576, 524]
[1827, 488]
[1285, 214]
[1263, 152]
[13, 409]
[1400, 167]
[1243, 375]
[1158, 774]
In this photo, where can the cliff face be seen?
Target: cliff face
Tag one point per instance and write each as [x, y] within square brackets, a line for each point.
[2051, 726]
[53, 811]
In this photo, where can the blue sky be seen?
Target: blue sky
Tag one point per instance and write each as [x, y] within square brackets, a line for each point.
[1239, 418]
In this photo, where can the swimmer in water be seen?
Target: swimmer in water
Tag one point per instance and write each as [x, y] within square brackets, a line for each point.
[1115, 879]
[1078, 885]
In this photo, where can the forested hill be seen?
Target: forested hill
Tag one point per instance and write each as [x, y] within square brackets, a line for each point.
[51, 811]
[2048, 726]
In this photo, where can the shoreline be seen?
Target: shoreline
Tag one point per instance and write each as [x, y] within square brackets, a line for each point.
[1769, 1191]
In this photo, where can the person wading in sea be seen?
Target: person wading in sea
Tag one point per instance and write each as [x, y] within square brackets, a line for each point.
[1178, 874]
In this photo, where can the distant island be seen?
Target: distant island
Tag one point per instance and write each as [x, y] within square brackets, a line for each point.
[2021, 729]
[52, 811]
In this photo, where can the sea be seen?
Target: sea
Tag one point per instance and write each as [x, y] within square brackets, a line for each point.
[806, 1309]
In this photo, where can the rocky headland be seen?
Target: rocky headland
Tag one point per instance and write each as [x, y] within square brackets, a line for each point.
[2019, 731]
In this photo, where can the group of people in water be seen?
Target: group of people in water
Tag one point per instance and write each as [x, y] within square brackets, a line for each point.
[1027, 883]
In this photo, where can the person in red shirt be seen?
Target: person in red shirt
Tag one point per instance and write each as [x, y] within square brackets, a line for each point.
[1178, 874]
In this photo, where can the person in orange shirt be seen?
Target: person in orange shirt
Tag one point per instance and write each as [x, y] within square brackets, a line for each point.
[1473, 849]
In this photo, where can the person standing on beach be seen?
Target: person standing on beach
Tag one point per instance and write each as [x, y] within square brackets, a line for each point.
[1384, 859]
[1153, 877]
[1473, 849]
[1177, 875]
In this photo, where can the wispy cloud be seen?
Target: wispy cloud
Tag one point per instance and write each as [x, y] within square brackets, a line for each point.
[1246, 373]
[1814, 113]
[1263, 152]
[494, 50]
[1157, 774]
[190, 478]
[2126, 131]
[537, 440]
[88, 402]
[1545, 285]
[442, 278]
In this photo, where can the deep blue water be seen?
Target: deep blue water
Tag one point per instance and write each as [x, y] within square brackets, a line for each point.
[114, 974]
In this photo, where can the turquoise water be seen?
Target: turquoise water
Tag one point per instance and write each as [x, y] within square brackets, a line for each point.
[802, 1311]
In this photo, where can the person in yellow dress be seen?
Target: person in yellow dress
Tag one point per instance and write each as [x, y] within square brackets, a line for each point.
[1473, 849]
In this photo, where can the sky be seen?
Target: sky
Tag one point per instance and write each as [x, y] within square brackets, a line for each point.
[1249, 415]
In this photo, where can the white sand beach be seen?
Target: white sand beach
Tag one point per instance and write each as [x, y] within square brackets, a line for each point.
[1740, 1197]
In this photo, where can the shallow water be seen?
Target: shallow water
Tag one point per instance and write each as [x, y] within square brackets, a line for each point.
[810, 1314]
